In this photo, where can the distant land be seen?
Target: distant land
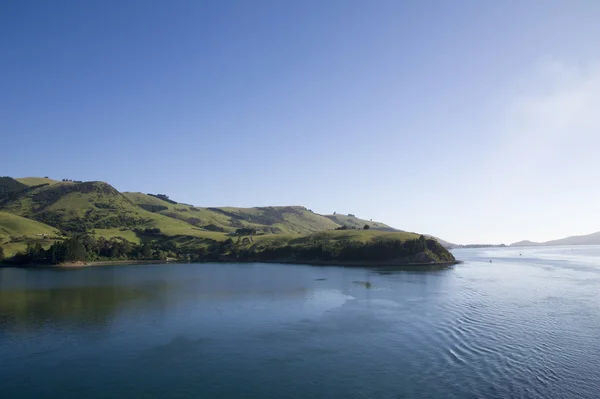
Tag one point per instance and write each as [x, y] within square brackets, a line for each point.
[588, 239]
[481, 246]
[46, 220]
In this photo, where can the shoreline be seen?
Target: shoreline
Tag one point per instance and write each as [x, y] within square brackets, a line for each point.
[112, 263]
[364, 264]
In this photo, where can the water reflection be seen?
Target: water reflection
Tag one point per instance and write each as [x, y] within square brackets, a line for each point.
[87, 307]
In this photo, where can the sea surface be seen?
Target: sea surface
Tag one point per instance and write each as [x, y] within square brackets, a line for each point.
[507, 323]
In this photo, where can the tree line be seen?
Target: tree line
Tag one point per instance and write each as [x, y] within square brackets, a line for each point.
[84, 247]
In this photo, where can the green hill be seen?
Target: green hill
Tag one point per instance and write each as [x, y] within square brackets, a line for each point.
[8, 185]
[349, 247]
[36, 181]
[268, 220]
[79, 207]
[114, 225]
[16, 231]
[354, 222]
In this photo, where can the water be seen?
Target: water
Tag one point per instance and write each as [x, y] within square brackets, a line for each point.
[526, 325]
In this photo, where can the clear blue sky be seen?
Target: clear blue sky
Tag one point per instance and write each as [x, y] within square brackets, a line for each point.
[476, 121]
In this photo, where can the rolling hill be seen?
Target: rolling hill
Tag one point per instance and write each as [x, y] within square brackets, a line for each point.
[268, 220]
[94, 206]
[42, 210]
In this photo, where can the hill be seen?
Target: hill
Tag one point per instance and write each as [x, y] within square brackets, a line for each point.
[268, 220]
[587, 239]
[102, 222]
[524, 243]
[348, 247]
[16, 231]
[80, 207]
[8, 185]
[354, 222]
[35, 181]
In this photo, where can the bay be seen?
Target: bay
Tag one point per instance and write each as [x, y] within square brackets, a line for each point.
[526, 324]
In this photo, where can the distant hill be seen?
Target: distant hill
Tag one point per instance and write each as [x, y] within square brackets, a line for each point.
[587, 239]
[525, 243]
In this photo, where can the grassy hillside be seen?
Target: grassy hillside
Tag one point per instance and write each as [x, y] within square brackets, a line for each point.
[346, 247]
[16, 231]
[9, 185]
[353, 221]
[35, 181]
[16, 226]
[269, 220]
[44, 210]
[79, 207]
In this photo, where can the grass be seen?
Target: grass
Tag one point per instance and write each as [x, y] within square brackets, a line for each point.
[112, 233]
[99, 204]
[36, 181]
[16, 226]
[98, 207]
[12, 248]
[274, 219]
[328, 237]
[17, 231]
[352, 221]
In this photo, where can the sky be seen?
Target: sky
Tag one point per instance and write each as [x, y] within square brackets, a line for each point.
[474, 121]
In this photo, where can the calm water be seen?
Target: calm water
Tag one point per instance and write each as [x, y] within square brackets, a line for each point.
[523, 326]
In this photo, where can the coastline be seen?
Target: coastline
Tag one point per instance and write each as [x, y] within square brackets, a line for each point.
[391, 263]
[113, 263]
[365, 264]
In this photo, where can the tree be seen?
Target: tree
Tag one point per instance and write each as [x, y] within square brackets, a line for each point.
[75, 250]
[35, 252]
[146, 251]
[58, 252]
[366, 227]
[1, 254]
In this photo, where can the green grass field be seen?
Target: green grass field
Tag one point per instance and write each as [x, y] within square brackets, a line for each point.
[17, 231]
[334, 235]
[16, 226]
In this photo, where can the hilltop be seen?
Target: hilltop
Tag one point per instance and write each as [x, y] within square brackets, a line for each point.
[43, 217]
[352, 221]
[268, 220]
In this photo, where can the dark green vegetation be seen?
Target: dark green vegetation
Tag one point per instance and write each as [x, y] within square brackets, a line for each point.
[48, 221]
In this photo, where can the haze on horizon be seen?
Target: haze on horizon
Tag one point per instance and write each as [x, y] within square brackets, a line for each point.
[473, 121]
